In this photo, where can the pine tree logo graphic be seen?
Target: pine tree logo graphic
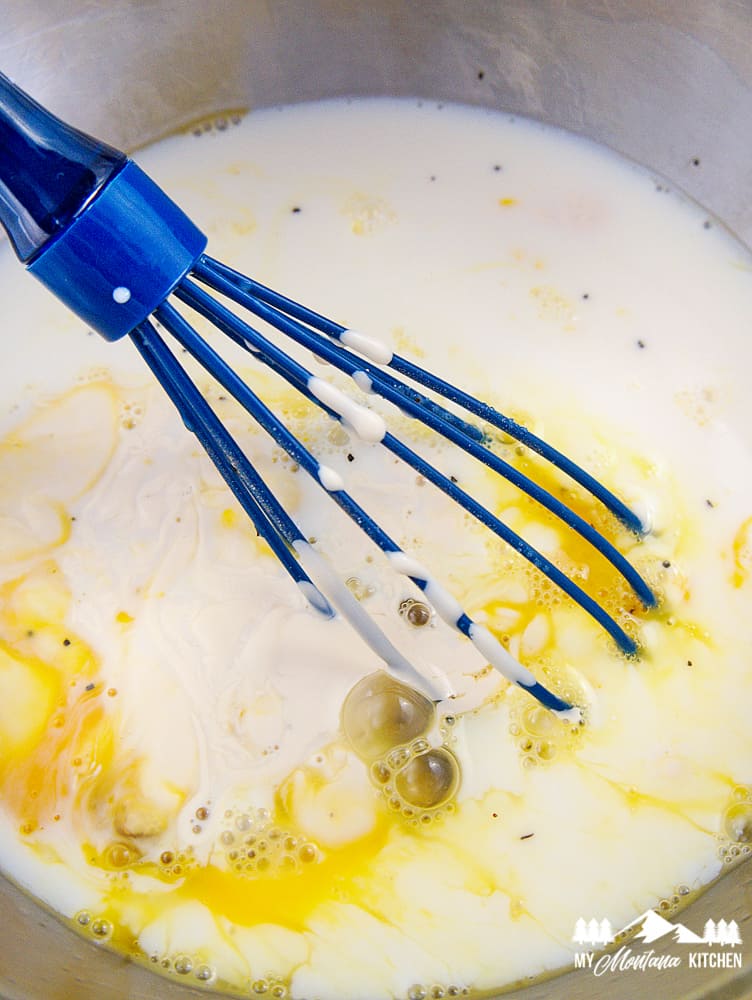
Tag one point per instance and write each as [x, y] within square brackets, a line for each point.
[652, 926]
[722, 932]
[595, 932]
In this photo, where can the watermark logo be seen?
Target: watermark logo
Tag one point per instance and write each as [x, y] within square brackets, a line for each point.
[717, 937]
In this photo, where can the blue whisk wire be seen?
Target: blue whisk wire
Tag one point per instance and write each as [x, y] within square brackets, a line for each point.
[351, 364]
[269, 518]
[238, 329]
[111, 245]
[256, 292]
[202, 352]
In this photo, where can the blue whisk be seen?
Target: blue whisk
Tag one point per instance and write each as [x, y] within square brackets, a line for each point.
[112, 246]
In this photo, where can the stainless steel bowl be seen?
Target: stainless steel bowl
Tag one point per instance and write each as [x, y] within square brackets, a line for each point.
[666, 82]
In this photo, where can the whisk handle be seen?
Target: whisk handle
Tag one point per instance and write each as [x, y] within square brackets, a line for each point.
[48, 170]
[86, 220]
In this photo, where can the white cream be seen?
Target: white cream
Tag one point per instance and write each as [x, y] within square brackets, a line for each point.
[367, 425]
[215, 711]
[369, 347]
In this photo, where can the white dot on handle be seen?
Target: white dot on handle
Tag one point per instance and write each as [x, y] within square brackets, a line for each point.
[121, 294]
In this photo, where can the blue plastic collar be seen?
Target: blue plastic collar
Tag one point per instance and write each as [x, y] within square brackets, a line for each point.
[122, 255]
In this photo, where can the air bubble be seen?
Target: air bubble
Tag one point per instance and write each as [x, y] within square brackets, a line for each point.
[259, 986]
[204, 973]
[398, 758]
[737, 822]
[119, 855]
[101, 928]
[381, 772]
[183, 965]
[83, 918]
[430, 779]
[380, 713]
[417, 992]
[416, 613]
[358, 589]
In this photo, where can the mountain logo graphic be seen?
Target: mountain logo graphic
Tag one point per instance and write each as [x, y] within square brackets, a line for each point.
[652, 927]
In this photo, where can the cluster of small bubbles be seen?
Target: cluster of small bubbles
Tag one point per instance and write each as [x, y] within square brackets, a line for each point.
[130, 416]
[386, 723]
[219, 124]
[269, 987]
[176, 864]
[436, 992]
[447, 729]
[184, 965]
[254, 845]
[360, 591]
[539, 734]
[542, 592]
[737, 817]
[416, 613]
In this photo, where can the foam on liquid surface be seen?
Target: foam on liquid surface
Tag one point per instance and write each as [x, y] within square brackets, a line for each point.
[177, 775]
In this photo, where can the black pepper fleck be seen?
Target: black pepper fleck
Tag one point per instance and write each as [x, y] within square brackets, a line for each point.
[296, 209]
[707, 224]
[641, 344]
[666, 563]
[453, 479]
[350, 457]
[66, 642]
[689, 663]
[586, 295]
[710, 503]
[527, 836]
[481, 74]
[497, 167]
[90, 686]
[695, 161]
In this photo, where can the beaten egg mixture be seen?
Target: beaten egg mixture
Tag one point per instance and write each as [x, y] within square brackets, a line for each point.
[197, 769]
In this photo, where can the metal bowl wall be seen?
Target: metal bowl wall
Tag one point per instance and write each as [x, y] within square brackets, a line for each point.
[666, 82]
